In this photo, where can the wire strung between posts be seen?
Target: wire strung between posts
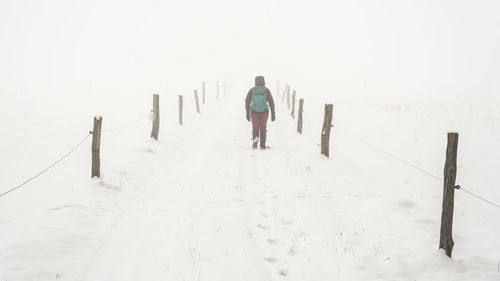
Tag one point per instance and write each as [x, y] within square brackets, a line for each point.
[388, 154]
[412, 165]
[126, 125]
[479, 197]
[48, 168]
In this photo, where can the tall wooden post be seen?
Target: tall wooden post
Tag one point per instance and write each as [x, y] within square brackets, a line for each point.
[181, 105]
[299, 121]
[325, 132]
[217, 89]
[197, 101]
[96, 147]
[288, 97]
[156, 121]
[450, 173]
[203, 92]
[293, 105]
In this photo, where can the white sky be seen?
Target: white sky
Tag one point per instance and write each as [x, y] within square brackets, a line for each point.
[401, 47]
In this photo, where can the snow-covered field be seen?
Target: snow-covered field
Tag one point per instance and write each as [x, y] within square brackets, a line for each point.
[199, 204]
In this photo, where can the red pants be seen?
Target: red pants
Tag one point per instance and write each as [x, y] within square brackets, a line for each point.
[259, 120]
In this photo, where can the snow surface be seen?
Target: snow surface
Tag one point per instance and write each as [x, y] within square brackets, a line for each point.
[199, 204]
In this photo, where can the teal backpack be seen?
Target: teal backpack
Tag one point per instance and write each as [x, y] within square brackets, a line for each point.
[259, 99]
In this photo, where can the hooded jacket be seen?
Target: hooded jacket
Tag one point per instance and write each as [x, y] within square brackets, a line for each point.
[259, 81]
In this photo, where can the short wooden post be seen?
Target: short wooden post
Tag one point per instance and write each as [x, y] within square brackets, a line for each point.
[197, 101]
[217, 89]
[299, 121]
[284, 93]
[96, 147]
[156, 113]
[203, 92]
[181, 104]
[293, 105]
[288, 97]
[325, 132]
[450, 173]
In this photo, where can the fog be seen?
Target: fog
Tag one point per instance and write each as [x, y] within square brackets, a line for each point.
[390, 48]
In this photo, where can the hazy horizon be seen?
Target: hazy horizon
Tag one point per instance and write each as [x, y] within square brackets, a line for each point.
[361, 48]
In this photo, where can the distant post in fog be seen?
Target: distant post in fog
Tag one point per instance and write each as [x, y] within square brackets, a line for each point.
[203, 92]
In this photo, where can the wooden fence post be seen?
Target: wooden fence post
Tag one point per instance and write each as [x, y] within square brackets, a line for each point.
[284, 93]
[301, 109]
[203, 92]
[325, 132]
[96, 147]
[181, 104]
[293, 104]
[156, 120]
[197, 101]
[288, 97]
[450, 173]
[217, 89]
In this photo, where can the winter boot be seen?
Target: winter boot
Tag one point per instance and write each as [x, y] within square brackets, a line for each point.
[263, 135]
[255, 138]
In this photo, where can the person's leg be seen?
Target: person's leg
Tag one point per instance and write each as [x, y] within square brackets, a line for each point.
[263, 129]
[255, 129]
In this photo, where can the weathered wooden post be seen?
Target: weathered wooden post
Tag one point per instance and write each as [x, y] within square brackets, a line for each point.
[288, 97]
[299, 121]
[217, 89]
[156, 115]
[181, 104]
[284, 93]
[293, 105]
[450, 173]
[96, 147]
[197, 101]
[203, 92]
[325, 132]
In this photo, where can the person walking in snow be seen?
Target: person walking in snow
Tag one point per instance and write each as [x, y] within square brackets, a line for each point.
[257, 104]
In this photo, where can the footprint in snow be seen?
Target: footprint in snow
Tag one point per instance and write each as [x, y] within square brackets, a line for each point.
[272, 241]
[271, 260]
[284, 272]
[293, 251]
[263, 227]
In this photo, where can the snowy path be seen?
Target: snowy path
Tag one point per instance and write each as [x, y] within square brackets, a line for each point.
[206, 214]
[217, 210]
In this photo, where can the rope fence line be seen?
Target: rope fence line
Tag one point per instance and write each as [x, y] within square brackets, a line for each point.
[49, 167]
[80, 143]
[72, 150]
[135, 121]
[478, 197]
[388, 154]
[126, 124]
[412, 165]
